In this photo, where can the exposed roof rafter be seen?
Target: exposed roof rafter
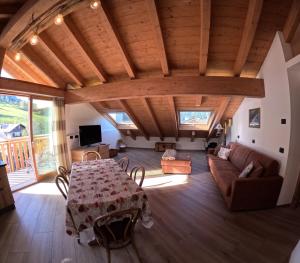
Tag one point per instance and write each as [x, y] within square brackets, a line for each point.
[292, 21]
[173, 112]
[251, 22]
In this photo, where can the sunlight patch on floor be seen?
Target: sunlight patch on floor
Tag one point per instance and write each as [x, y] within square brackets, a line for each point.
[165, 181]
[41, 189]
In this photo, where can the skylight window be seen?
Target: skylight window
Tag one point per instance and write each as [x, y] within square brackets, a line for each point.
[121, 118]
[194, 117]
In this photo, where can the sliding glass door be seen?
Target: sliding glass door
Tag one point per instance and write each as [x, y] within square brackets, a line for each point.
[42, 136]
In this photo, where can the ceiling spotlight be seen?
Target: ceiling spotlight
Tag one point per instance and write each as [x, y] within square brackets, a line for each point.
[94, 4]
[34, 39]
[59, 19]
[18, 56]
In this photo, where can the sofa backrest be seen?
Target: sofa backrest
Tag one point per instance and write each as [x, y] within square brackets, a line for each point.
[241, 156]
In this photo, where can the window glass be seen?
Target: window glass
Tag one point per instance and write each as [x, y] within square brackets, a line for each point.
[194, 117]
[120, 118]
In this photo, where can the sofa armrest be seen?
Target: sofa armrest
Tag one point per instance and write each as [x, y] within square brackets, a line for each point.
[255, 193]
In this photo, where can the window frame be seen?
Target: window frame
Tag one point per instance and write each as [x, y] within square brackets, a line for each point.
[199, 127]
[122, 126]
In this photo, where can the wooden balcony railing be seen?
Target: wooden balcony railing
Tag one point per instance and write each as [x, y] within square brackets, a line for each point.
[16, 151]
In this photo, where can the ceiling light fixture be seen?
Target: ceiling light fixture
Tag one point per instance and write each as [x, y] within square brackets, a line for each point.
[59, 19]
[34, 39]
[18, 56]
[94, 4]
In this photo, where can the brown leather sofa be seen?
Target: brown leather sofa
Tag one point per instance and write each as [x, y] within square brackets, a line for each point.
[258, 191]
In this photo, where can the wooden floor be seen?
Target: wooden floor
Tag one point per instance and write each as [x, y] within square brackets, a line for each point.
[191, 224]
[21, 178]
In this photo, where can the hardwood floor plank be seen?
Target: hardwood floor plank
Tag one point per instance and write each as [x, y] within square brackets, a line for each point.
[192, 224]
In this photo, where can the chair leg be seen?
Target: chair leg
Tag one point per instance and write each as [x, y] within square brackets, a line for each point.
[108, 255]
[136, 250]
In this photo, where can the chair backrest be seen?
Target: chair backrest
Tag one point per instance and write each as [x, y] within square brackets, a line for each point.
[63, 171]
[62, 184]
[90, 155]
[134, 172]
[124, 162]
[116, 229]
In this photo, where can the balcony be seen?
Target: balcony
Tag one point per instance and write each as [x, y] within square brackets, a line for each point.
[20, 166]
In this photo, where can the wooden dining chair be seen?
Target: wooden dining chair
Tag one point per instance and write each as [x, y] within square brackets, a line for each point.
[62, 184]
[116, 230]
[123, 163]
[135, 171]
[63, 171]
[90, 155]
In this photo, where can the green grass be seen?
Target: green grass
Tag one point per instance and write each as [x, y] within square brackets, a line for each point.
[14, 113]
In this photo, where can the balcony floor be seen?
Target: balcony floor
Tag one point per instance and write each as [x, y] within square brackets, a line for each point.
[21, 178]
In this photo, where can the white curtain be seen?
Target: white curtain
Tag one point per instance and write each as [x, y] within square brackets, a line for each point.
[59, 134]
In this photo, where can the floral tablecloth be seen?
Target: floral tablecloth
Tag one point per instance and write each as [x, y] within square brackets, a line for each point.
[99, 187]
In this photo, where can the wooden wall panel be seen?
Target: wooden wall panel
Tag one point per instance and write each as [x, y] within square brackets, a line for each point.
[132, 21]
[227, 22]
[180, 23]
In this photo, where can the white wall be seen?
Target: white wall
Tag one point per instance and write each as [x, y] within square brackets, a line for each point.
[181, 144]
[275, 106]
[85, 114]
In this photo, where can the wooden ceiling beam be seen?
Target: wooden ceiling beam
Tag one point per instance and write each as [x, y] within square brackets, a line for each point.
[127, 109]
[28, 76]
[205, 16]
[251, 22]
[292, 21]
[29, 88]
[60, 58]
[152, 116]
[172, 108]
[33, 57]
[7, 10]
[110, 28]
[22, 17]
[83, 48]
[131, 134]
[219, 114]
[175, 86]
[2, 56]
[153, 14]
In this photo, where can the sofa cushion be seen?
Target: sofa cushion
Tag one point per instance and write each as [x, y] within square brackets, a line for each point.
[270, 166]
[247, 170]
[239, 156]
[224, 180]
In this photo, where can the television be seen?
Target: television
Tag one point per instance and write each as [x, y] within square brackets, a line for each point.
[89, 134]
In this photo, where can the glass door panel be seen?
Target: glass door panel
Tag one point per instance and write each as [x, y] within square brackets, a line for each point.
[15, 147]
[42, 121]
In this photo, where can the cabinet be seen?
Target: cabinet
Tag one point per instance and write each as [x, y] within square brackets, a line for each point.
[6, 198]
[162, 146]
[103, 149]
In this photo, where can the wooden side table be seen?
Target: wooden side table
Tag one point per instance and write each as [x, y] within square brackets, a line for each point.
[7, 201]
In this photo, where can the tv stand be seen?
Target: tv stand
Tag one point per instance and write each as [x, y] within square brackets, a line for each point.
[103, 149]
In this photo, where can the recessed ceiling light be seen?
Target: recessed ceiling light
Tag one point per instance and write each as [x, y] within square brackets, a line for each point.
[18, 56]
[34, 39]
[59, 19]
[94, 4]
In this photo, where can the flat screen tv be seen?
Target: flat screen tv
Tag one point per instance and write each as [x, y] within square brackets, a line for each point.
[89, 134]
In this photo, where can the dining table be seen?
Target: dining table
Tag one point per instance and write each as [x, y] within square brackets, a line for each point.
[99, 187]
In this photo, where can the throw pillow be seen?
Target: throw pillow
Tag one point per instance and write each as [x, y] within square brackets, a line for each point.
[224, 153]
[247, 170]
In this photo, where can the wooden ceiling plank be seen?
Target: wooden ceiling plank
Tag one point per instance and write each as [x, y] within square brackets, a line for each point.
[292, 21]
[153, 14]
[127, 109]
[176, 86]
[251, 22]
[78, 40]
[219, 114]
[205, 16]
[173, 111]
[60, 58]
[2, 56]
[35, 59]
[152, 116]
[29, 77]
[24, 87]
[110, 28]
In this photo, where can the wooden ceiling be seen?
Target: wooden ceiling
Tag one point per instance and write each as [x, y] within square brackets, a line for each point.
[126, 40]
